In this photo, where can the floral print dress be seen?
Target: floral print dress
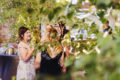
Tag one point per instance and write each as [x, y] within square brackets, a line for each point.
[25, 70]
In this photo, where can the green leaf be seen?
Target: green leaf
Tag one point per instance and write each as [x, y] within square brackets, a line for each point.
[57, 10]
[30, 10]
[70, 14]
[50, 16]
[42, 1]
[68, 62]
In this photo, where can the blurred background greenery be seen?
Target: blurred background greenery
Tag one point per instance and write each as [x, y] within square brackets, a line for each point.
[97, 59]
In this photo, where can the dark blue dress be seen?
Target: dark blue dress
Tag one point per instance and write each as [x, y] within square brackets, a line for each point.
[50, 66]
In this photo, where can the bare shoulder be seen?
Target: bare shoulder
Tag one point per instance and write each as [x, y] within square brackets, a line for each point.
[22, 45]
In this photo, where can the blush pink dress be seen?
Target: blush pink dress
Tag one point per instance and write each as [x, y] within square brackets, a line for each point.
[25, 70]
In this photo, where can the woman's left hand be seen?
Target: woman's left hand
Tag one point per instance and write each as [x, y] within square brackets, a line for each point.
[64, 70]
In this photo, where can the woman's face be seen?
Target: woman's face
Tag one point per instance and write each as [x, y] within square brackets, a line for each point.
[27, 35]
[54, 37]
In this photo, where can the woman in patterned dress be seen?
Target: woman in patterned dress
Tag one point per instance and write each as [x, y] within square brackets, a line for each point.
[25, 70]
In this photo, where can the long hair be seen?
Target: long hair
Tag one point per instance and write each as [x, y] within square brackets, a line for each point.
[54, 41]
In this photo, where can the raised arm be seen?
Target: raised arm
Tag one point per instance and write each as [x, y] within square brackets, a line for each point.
[25, 54]
[62, 63]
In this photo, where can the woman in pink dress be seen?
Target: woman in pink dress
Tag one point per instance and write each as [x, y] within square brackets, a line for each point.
[25, 70]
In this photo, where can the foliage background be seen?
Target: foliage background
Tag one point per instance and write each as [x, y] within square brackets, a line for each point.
[97, 66]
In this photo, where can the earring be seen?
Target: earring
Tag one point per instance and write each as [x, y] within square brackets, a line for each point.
[22, 35]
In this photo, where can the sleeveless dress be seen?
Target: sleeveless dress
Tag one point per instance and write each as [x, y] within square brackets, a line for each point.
[50, 66]
[25, 70]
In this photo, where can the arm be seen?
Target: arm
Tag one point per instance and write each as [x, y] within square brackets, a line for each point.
[38, 61]
[67, 51]
[66, 44]
[62, 64]
[25, 54]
